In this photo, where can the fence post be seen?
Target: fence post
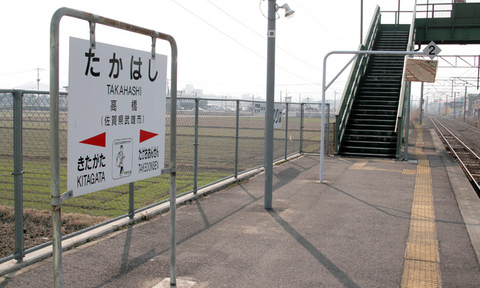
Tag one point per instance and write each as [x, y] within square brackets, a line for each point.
[131, 200]
[328, 128]
[301, 127]
[286, 130]
[195, 150]
[18, 173]
[236, 137]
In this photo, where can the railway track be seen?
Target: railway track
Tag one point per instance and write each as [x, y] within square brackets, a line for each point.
[467, 158]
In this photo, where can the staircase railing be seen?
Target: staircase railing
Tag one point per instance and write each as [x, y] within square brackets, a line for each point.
[358, 69]
[400, 124]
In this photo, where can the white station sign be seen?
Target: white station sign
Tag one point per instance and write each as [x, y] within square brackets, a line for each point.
[260, 108]
[116, 116]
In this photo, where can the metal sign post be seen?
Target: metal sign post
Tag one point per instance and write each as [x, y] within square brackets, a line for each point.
[56, 198]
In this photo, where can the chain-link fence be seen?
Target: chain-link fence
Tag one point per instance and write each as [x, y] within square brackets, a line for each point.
[216, 139]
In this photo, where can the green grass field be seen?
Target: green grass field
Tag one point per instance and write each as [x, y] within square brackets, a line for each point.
[216, 152]
[216, 160]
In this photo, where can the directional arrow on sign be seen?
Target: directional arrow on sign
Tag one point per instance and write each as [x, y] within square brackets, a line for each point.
[145, 135]
[98, 140]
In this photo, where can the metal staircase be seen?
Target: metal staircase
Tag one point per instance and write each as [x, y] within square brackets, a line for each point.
[370, 129]
[370, 118]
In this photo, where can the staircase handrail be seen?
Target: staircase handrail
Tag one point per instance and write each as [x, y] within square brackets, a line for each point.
[358, 69]
[399, 125]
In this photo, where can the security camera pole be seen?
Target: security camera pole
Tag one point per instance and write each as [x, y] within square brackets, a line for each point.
[268, 152]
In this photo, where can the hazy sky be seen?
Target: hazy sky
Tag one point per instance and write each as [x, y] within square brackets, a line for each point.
[222, 43]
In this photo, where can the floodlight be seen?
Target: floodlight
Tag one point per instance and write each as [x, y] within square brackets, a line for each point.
[288, 11]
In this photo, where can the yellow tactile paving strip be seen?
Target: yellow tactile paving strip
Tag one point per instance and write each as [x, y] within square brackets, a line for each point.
[361, 165]
[421, 268]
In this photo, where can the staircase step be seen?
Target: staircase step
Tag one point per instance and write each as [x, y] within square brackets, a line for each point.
[374, 111]
[390, 48]
[380, 72]
[384, 57]
[376, 84]
[371, 127]
[382, 108]
[374, 138]
[390, 95]
[382, 154]
[392, 41]
[370, 144]
[373, 116]
[376, 88]
[378, 95]
[364, 123]
[375, 105]
[386, 65]
[363, 133]
[387, 89]
[380, 101]
[389, 78]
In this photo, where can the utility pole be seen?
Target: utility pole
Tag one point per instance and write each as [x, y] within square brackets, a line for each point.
[268, 153]
[465, 103]
[398, 14]
[445, 105]
[361, 21]
[421, 105]
[38, 78]
[454, 105]
[453, 97]
[335, 101]
[426, 107]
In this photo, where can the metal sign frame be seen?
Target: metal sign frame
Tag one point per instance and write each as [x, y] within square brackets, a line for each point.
[56, 200]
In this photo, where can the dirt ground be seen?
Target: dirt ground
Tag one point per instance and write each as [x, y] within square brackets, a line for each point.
[37, 227]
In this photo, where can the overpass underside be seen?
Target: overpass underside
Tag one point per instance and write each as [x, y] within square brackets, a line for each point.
[455, 23]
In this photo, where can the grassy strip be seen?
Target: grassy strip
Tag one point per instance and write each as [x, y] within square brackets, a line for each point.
[216, 152]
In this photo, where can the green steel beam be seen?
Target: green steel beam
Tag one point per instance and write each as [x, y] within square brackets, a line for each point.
[462, 27]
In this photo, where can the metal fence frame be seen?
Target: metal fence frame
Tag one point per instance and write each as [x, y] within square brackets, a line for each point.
[294, 118]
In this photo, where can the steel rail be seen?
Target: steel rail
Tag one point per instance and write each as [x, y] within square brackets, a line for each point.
[467, 126]
[460, 161]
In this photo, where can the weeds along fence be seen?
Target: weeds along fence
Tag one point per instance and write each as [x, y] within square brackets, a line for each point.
[216, 139]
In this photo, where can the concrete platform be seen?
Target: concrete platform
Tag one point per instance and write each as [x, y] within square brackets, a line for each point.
[371, 224]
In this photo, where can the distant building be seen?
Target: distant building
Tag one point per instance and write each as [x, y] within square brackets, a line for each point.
[476, 110]
[190, 91]
[471, 110]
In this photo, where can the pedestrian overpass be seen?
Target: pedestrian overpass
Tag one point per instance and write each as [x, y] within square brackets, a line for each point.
[370, 118]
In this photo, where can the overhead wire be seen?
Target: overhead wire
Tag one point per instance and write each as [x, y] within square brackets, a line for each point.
[19, 72]
[238, 42]
[315, 20]
[261, 36]
[220, 31]
[280, 48]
